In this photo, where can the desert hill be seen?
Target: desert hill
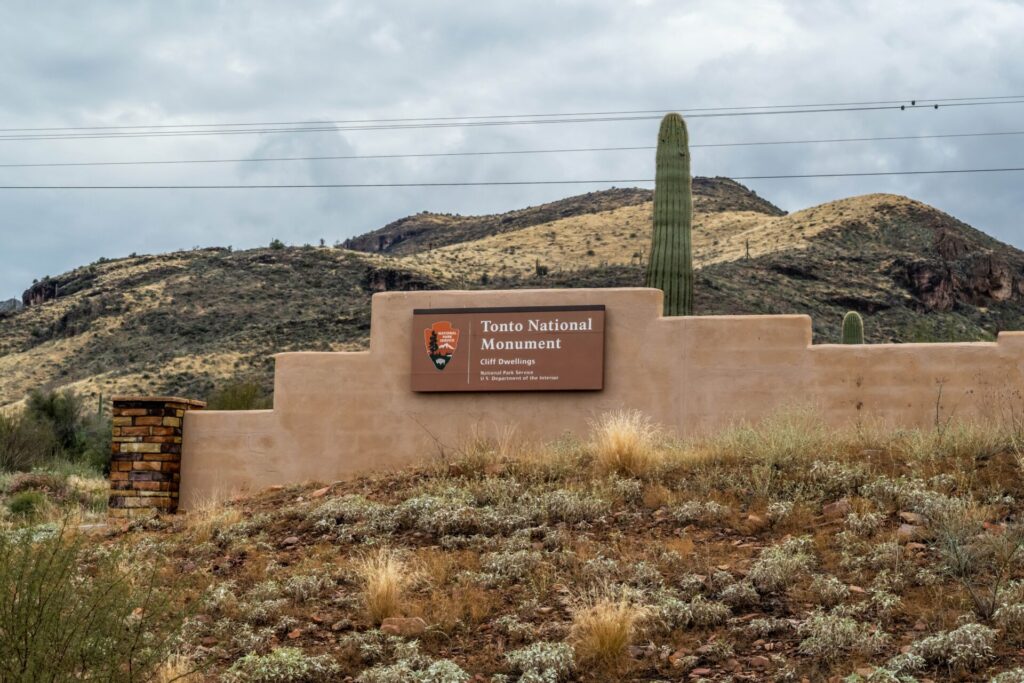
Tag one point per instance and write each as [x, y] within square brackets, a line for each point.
[914, 272]
[425, 231]
[183, 322]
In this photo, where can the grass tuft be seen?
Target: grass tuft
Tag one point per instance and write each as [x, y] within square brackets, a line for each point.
[384, 578]
[178, 669]
[602, 631]
[209, 516]
[626, 443]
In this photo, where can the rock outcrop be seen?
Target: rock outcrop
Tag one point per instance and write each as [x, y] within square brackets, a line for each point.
[396, 280]
[978, 278]
[50, 288]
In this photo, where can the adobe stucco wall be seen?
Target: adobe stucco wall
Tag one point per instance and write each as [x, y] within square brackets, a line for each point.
[336, 414]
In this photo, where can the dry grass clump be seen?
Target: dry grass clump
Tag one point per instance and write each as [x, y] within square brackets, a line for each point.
[559, 461]
[602, 631]
[794, 434]
[483, 451]
[627, 442]
[384, 578]
[210, 515]
[178, 669]
[462, 604]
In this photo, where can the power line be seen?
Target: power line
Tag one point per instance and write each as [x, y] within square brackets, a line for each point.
[875, 173]
[565, 150]
[904, 101]
[297, 186]
[473, 124]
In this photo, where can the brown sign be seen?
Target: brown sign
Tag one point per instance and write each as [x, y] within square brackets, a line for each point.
[542, 348]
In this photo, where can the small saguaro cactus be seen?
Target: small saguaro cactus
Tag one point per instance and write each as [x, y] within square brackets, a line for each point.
[853, 328]
[670, 266]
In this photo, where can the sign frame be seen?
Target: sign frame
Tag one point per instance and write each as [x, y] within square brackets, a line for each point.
[514, 349]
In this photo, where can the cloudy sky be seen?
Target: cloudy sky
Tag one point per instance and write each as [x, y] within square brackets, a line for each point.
[111, 63]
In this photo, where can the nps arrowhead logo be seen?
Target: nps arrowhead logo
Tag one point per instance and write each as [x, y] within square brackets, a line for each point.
[441, 340]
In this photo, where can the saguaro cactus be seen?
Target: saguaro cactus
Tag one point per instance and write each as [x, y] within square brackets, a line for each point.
[853, 328]
[670, 267]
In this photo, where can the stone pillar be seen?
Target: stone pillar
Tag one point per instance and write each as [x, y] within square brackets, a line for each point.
[145, 467]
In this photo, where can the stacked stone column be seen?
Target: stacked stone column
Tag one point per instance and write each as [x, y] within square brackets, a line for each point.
[145, 468]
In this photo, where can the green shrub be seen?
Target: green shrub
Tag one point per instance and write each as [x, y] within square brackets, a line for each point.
[62, 411]
[24, 443]
[67, 613]
[27, 504]
[94, 433]
[239, 396]
[55, 424]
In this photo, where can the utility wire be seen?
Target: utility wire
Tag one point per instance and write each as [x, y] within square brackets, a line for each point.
[912, 101]
[566, 150]
[473, 124]
[296, 186]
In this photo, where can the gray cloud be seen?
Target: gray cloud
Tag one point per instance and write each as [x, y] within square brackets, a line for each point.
[110, 63]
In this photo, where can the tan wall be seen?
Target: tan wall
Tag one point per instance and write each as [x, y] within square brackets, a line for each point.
[340, 413]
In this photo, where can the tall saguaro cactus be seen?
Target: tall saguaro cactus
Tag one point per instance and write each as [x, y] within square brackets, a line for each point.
[670, 267]
[853, 328]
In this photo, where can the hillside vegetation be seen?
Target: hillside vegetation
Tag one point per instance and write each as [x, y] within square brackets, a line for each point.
[186, 322]
[178, 322]
[784, 551]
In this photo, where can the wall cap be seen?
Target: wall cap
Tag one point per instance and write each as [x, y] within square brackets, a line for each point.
[160, 399]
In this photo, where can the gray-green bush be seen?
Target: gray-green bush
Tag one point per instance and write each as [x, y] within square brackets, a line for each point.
[284, 665]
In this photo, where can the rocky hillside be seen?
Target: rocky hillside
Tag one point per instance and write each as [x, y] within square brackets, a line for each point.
[187, 321]
[915, 273]
[182, 322]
